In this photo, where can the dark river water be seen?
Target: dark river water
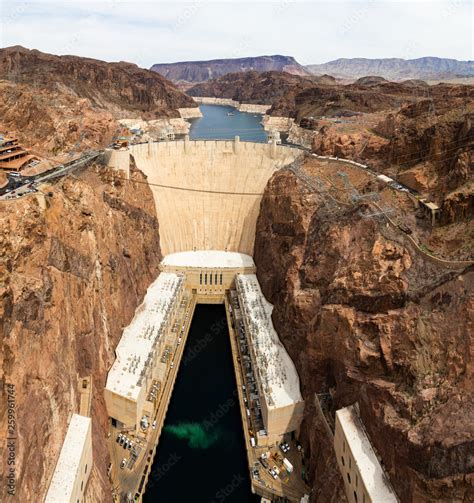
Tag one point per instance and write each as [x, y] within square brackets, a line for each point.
[201, 453]
[216, 124]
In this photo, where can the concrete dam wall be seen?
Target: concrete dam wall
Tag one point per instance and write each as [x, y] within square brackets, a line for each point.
[208, 193]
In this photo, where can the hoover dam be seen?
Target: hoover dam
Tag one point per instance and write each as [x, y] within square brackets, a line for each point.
[207, 193]
[226, 291]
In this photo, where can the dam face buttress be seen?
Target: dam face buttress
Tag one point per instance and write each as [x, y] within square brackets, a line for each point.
[207, 193]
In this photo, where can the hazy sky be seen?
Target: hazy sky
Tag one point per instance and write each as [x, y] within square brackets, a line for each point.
[152, 31]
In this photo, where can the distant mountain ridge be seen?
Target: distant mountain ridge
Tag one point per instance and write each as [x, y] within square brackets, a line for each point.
[396, 68]
[194, 72]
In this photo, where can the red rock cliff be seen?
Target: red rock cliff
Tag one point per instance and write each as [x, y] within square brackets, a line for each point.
[366, 319]
[74, 266]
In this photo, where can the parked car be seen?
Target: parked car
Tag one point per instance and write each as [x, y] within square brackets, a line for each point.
[264, 462]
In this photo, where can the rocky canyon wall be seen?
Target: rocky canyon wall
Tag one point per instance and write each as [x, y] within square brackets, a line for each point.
[74, 266]
[366, 320]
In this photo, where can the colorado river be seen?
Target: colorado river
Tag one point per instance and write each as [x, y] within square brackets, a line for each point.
[201, 455]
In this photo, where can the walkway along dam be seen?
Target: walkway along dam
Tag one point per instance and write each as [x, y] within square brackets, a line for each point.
[207, 196]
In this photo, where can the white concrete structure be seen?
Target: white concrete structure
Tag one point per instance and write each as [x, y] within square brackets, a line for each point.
[364, 478]
[385, 179]
[209, 273]
[134, 369]
[208, 259]
[74, 464]
[207, 193]
[275, 372]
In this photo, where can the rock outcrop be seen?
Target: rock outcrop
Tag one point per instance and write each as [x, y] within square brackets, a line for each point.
[54, 125]
[425, 141]
[257, 87]
[56, 104]
[302, 96]
[120, 86]
[74, 266]
[366, 320]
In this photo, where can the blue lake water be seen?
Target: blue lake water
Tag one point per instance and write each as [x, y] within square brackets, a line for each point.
[216, 124]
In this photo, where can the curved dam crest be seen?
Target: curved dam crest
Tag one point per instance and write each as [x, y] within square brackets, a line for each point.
[207, 192]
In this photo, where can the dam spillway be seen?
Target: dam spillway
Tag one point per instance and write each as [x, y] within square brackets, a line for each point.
[207, 192]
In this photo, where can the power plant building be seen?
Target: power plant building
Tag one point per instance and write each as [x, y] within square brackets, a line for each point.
[277, 379]
[364, 478]
[209, 273]
[74, 464]
[137, 354]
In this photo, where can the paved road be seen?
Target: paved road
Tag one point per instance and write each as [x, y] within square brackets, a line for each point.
[22, 185]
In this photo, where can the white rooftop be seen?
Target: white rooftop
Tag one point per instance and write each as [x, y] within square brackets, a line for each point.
[371, 472]
[67, 467]
[136, 348]
[275, 369]
[215, 259]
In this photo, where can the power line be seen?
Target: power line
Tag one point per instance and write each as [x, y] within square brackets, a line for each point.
[189, 189]
[412, 155]
[209, 191]
[457, 142]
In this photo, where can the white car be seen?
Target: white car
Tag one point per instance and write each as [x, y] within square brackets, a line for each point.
[123, 463]
[154, 424]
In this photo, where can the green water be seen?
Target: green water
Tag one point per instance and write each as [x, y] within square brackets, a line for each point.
[196, 434]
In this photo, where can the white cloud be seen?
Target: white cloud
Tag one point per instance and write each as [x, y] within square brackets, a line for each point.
[146, 32]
